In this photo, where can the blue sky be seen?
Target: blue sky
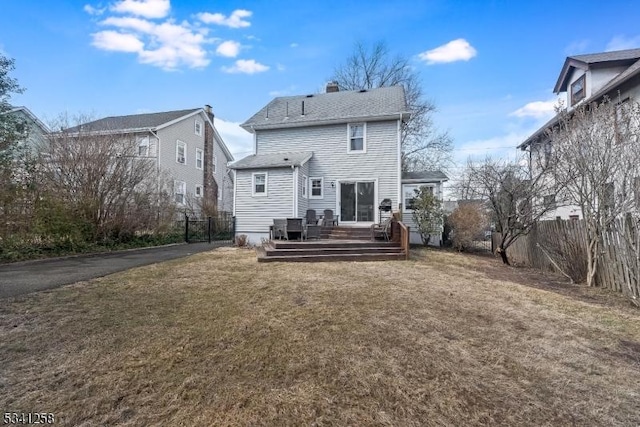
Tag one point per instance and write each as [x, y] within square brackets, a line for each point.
[489, 66]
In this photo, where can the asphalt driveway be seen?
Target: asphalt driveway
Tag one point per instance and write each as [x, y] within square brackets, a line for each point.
[31, 276]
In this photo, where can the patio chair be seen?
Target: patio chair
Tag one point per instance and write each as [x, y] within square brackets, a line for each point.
[294, 228]
[313, 231]
[329, 219]
[311, 217]
[382, 230]
[279, 229]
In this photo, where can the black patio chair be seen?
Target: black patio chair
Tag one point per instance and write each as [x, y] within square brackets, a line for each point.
[279, 229]
[329, 219]
[294, 228]
[311, 217]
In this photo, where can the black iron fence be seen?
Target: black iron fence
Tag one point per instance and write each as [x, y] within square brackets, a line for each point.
[208, 229]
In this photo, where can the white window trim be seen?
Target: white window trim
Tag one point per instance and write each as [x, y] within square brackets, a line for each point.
[214, 162]
[253, 184]
[201, 152]
[195, 127]
[144, 142]
[364, 138]
[311, 179]
[183, 144]
[183, 187]
[198, 187]
[305, 186]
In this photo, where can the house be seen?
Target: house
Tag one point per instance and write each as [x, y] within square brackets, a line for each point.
[338, 150]
[412, 181]
[36, 130]
[185, 145]
[586, 79]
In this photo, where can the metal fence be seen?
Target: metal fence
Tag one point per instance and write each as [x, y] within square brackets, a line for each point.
[220, 227]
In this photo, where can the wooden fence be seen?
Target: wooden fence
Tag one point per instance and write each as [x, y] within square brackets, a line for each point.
[565, 242]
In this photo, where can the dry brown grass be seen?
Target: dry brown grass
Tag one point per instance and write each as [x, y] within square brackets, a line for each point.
[218, 339]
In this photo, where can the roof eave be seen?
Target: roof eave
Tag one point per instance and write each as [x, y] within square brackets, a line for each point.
[252, 127]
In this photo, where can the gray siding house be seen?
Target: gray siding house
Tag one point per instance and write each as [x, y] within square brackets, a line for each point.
[186, 146]
[585, 79]
[36, 130]
[334, 150]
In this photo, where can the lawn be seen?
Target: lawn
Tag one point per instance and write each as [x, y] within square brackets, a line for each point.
[218, 339]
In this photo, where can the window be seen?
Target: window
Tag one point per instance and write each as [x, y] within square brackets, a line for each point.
[179, 190]
[143, 146]
[609, 195]
[181, 152]
[199, 157]
[548, 149]
[578, 90]
[214, 162]
[305, 186]
[550, 201]
[357, 133]
[259, 184]
[317, 185]
[198, 128]
[198, 190]
[410, 193]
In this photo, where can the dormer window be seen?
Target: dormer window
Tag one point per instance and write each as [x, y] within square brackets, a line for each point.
[578, 90]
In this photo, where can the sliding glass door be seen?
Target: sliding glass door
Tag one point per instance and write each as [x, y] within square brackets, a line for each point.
[357, 201]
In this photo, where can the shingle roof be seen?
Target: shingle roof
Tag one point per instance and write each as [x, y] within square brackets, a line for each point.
[135, 121]
[424, 176]
[329, 107]
[276, 160]
[618, 55]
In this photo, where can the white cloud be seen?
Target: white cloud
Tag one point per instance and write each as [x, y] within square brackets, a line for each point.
[93, 10]
[166, 45]
[238, 140]
[115, 41]
[235, 20]
[622, 43]
[228, 48]
[283, 92]
[246, 66]
[293, 45]
[537, 109]
[145, 8]
[455, 50]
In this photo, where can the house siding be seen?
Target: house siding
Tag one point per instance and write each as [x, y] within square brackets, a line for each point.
[332, 162]
[254, 214]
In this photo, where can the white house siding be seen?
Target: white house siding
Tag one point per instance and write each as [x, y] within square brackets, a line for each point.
[332, 162]
[254, 214]
[303, 202]
[407, 215]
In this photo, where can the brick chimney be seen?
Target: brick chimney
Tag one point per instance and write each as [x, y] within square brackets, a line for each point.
[332, 87]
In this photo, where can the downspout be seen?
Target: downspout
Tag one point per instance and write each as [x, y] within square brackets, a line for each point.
[255, 141]
[235, 190]
[157, 171]
[295, 191]
[400, 164]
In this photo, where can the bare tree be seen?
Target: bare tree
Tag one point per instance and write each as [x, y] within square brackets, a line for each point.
[102, 178]
[423, 146]
[596, 154]
[513, 194]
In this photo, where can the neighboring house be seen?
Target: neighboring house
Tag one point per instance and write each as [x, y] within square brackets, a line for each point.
[334, 150]
[36, 130]
[185, 145]
[586, 79]
[412, 181]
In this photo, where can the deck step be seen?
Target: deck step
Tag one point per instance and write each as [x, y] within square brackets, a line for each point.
[330, 251]
[383, 256]
[319, 244]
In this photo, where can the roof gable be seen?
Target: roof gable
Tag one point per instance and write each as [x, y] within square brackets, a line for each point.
[620, 57]
[335, 107]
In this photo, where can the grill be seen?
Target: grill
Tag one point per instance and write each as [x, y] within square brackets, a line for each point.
[385, 206]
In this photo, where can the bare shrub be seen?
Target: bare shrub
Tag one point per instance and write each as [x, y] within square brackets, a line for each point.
[242, 240]
[468, 222]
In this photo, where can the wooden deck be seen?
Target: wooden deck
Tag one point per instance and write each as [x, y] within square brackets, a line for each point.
[336, 244]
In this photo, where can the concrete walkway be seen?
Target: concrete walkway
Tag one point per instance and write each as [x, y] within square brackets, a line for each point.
[30, 276]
